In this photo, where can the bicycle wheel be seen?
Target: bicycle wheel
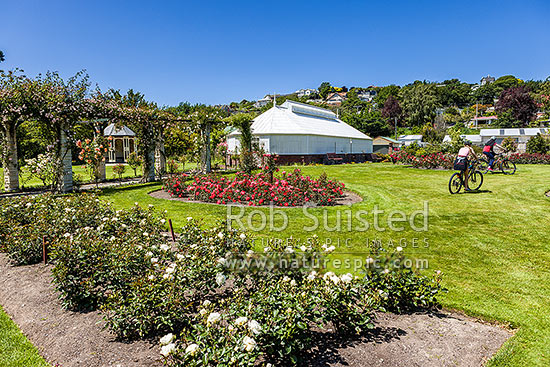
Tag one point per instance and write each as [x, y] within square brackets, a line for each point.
[507, 167]
[455, 183]
[475, 180]
[483, 165]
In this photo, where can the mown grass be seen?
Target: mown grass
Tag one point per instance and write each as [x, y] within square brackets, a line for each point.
[15, 349]
[493, 246]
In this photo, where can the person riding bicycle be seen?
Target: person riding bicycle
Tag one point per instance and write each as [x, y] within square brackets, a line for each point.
[462, 162]
[489, 151]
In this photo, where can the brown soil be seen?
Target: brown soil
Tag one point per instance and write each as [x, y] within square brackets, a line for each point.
[349, 198]
[78, 339]
[63, 337]
[434, 339]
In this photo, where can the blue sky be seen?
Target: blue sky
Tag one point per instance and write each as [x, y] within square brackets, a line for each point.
[221, 51]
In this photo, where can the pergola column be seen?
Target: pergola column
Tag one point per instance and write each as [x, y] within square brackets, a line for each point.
[160, 157]
[65, 183]
[11, 166]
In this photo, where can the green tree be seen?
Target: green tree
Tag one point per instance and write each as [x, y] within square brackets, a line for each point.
[384, 92]
[454, 93]
[243, 122]
[419, 101]
[324, 89]
[538, 144]
[2, 57]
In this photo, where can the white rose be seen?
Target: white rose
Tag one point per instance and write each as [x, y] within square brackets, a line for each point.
[249, 344]
[312, 275]
[167, 339]
[303, 248]
[167, 349]
[241, 321]
[254, 327]
[346, 278]
[213, 318]
[286, 279]
[206, 303]
[189, 219]
[293, 283]
[242, 236]
[164, 247]
[220, 235]
[399, 248]
[220, 279]
[289, 250]
[154, 260]
[192, 349]
[180, 256]
[330, 249]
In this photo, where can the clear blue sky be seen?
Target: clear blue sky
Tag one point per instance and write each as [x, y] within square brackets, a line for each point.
[222, 51]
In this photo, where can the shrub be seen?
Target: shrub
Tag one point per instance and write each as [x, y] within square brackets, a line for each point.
[134, 161]
[172, 166]
[45, 167]
[93, 262]
[509, 144]
[528, 158]
[119, 170]
[290, 189]
[538, 144]
[398, 288]
[30, 219]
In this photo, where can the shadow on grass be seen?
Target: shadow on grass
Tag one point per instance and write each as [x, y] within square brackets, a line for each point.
[476, 192]
[112, 190]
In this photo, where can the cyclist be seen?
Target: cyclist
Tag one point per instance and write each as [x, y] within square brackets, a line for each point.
[489, 151]
[462, 160]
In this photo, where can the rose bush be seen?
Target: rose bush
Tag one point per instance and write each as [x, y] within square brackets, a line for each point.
[289, 189]
[432, 160]
[530, 158]
[212, 298]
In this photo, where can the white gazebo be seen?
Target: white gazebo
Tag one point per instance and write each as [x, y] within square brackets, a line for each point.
[121, 145]
[299, 132]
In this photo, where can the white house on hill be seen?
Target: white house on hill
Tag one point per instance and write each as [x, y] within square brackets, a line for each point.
[299, 132]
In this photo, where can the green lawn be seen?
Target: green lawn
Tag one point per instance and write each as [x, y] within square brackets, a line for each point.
[492, 246]
[15, 349]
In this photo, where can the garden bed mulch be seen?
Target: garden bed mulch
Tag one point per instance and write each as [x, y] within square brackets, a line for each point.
[349, 198]
[77, 339]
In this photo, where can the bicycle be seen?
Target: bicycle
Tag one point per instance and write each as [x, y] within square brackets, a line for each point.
[475, 179]
[502, 162]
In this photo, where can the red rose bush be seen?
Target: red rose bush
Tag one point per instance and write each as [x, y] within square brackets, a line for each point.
[289, 189]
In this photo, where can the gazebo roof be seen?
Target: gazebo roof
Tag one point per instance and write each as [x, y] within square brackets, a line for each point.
[111, 130]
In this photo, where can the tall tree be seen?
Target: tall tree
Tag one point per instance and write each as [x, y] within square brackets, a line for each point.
[324, 89]
[392, 111]
[419, 102]
[516, 107]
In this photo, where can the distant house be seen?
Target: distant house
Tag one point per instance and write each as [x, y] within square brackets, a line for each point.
[121, 145]
[486, 80]
[264, 101]
[409, 139]
[302, 133]
[487, 120]
[336, 99]
[366, 96]
[475, 139]
[382, 144]
[305, 92]
[520, 136]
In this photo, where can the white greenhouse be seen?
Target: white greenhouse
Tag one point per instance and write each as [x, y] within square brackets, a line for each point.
[298, 132]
